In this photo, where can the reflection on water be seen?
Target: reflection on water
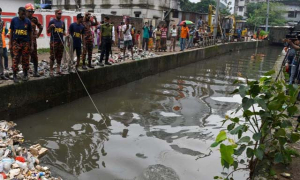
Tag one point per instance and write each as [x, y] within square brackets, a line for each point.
[157, 127]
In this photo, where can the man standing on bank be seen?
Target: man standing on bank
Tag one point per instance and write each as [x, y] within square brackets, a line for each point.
[34, 23]
[20, 39]
[57, 29]
[88, 38]
[106, 34]
[126, 35]
[76, 30]
[1, 48]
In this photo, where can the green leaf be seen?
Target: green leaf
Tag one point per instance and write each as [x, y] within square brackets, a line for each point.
[215, 144]
[244, 139]
[226, 153]
[249, 152]
[256, 136]
[230, 126]
[235, 91]
[260, 102]
[295, 137]
[292, 110]
[235, 165]
[254, 90]
[221, 136]
[278, 158]
[247, 103]
[259, 153]
[240, 133]
[274, 105]
[282, 140]
[240, 150]
[237, 129]
[286, 124]
[269, 73]
[243, 90]
[236, 82]
[280, 133]
[236, 120]
[248, 113]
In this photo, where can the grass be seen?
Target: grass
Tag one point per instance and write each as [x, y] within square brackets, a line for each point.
[43, 50]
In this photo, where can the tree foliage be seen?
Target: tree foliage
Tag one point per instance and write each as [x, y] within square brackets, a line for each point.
[238, 17]
[251, 7]
[263, 130]
[202, 6]
[257, 14]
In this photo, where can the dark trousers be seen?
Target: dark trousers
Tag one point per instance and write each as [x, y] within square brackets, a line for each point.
[105, 48]
[145, 43]
[5, 58]
[34, 56]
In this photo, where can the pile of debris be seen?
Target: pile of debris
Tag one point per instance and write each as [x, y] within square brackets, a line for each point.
[18, 162]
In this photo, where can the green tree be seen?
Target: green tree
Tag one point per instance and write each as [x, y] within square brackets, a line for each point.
[202, 6]
[226, 11]
[258, 17]
[238, 17]
[251, 7]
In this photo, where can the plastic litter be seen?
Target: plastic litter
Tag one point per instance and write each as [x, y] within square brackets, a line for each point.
[18, 162]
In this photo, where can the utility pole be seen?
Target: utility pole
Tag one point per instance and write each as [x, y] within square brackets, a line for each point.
[216, 20]
[267, 19]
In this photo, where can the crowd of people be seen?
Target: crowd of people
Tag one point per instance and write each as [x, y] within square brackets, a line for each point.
[25, 29]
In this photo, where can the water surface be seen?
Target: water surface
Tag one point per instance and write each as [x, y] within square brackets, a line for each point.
[160, 124]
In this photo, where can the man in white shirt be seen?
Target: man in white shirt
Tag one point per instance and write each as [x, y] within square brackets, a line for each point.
[126, 33]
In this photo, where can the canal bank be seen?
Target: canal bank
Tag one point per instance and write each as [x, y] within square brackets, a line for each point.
[19, 100]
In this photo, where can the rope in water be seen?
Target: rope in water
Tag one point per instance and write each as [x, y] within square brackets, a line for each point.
[70, 52]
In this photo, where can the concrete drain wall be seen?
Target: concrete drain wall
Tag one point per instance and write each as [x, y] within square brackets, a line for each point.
[19, 100]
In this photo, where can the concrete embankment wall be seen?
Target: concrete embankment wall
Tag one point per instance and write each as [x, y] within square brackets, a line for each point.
[19, 100]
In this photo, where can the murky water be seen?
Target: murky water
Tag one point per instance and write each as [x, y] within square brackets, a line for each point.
[158, 126]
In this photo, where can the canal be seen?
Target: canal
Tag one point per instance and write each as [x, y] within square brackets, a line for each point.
[160, 126]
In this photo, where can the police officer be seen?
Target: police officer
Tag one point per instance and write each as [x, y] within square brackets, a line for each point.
[57, 29]
[88, 37]
[34, 24]
[20, 41]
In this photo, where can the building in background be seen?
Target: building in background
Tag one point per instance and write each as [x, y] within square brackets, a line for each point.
[291, 9]
[13, 5]
[154, 9]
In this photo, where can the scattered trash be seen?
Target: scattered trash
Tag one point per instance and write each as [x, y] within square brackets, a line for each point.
[16, 161]
[286, 175]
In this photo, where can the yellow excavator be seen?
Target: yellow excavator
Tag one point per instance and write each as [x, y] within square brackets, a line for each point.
[228, 24]
[242, 24]
[211, 12]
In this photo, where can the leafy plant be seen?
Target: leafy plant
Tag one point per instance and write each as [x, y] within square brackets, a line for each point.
[201, 6]
[263, 130]
[257, 14]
